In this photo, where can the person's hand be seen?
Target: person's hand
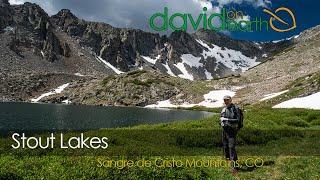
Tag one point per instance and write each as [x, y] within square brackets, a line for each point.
[223, 119]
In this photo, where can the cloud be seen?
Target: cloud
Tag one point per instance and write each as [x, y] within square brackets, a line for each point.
[133, 14]
[243, 18]
[254, 3]
[47, 5]
[120, 13]
[16, 1]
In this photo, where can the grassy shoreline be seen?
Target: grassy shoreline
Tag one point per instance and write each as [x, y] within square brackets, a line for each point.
[290, 154]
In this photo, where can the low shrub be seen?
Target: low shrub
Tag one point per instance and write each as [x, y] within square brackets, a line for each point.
[295, 122]
[136, 73]
[316, 122]
[313, 116]
[107, 79]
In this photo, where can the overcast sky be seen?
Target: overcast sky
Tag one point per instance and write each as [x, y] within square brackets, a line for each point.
[136, 13]
[131, 13]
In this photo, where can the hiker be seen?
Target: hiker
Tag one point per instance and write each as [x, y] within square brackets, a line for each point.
[231, 120]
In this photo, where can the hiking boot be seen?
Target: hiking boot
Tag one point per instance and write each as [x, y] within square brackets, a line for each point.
[234, 171]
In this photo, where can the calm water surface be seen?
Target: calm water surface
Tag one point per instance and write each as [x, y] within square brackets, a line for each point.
[56, 117]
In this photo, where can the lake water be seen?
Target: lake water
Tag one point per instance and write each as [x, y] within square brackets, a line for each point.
[56, 117]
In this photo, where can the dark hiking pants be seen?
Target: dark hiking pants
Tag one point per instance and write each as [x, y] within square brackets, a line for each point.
[229, 143]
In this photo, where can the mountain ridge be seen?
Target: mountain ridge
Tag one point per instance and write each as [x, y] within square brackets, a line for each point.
[41, 52]
[124, 48]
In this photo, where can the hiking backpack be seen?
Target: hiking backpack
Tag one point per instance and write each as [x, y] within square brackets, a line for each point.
[240, 123]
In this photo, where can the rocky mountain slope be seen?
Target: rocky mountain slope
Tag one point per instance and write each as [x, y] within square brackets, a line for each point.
[117, 66]
[30, 42]
[201, 55]
[33, 41]
[278, 73]
[296, 69]
[136, 88]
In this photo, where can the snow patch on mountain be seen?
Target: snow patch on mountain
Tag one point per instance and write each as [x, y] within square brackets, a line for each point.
[185, 74]
[236, 88]
[67, 101]
[162, 104]
[272, 95]
[211, 100]
[8, 29]
[109, 65]
[192, 61]
[150, 60]
[79, 74]
[215, 98]
[286, 39]
[208, 74]
[258, 44]
[169, 71]
[55, 91]
[42, 54]
[308, 102]
[232, 59]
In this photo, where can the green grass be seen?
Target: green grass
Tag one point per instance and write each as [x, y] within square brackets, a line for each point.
[286, 155]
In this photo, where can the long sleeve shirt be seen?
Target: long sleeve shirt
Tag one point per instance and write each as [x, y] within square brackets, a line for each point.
[229, 115]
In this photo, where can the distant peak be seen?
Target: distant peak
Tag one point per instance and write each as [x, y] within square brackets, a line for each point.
[179, 34]
[209, 32]
[66, 13]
